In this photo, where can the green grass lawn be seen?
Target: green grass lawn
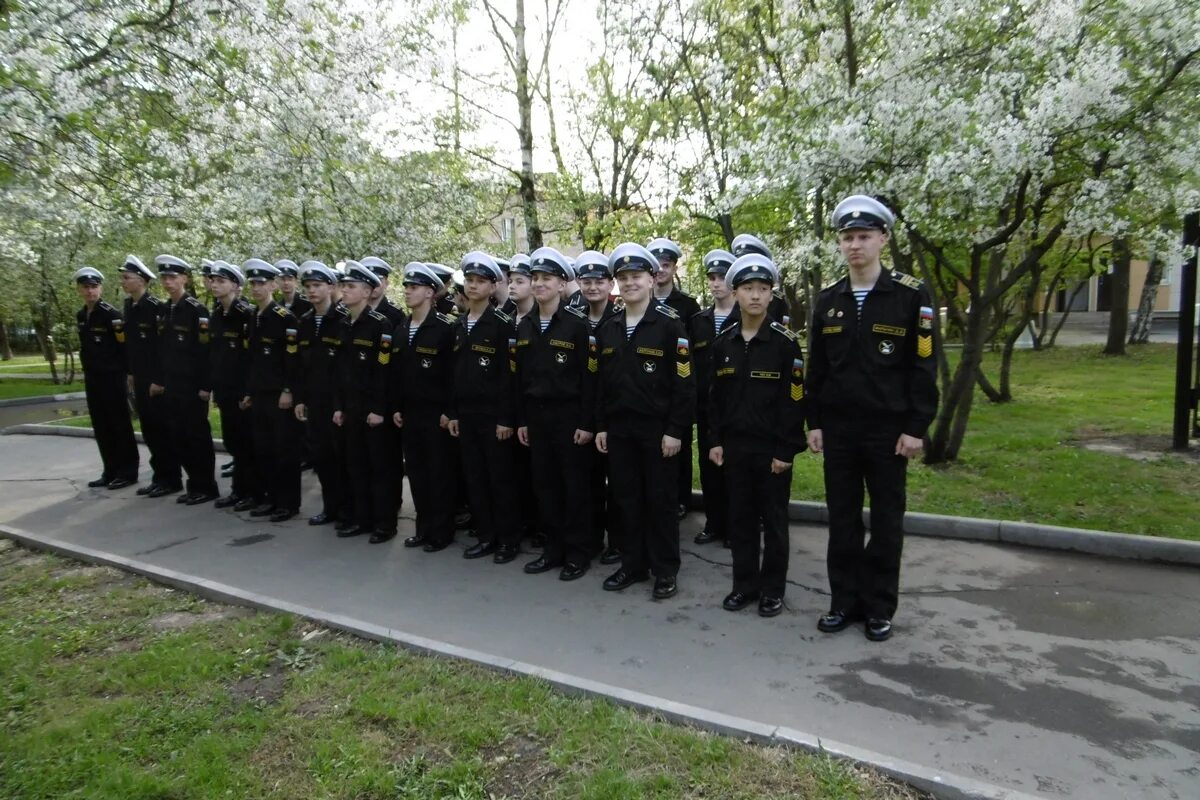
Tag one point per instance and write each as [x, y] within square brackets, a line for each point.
[17, 362]
[115, 687]
[20, 387]
[85, 421]
[1023, 460]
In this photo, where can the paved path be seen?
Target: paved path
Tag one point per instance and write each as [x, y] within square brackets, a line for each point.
[1047, 673]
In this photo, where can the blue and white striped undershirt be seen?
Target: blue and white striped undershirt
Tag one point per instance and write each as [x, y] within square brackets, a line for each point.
[860, 296]
[471, 324]
[544, 323]
[719, 321]
[412, 331]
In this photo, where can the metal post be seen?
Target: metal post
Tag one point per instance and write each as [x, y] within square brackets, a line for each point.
[1185, 397]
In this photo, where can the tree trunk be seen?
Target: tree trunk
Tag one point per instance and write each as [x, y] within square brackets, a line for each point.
[6, 353]
[1140, 334]
[950, 426]
[1118, 320]
[528, 188]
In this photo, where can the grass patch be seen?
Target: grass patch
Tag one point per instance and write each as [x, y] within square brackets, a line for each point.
[28, 387]
[117, 688]
[85, 421]
[1025, 460]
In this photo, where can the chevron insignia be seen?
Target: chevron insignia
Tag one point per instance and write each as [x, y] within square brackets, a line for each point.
[797, 392]
[924, 346]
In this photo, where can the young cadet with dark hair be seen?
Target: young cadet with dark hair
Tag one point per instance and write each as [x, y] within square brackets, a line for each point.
[102, 349]
[145, 377]
[289, 298]
[271, 370]
[595, 287]
[556, 393]
[380, 303]
[229, 357]
[481, 412]
[872, 386]
[756, 428]
[667, 293]
[746, 243]
[184, 352]
[321, 333]
[421, 381]
[704, 329]
[520, 292]
[645, 404]
[361, 402]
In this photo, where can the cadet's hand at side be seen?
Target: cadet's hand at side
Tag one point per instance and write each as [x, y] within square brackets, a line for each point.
[203, 395]
[908, 446]
[523, 435]
[816, 440]
[398, 419]
[717, 455]
[285, 401]
[301, 412]
[374, 420]
[338, 418]
[602, 441]
[778, 466]
[503, 433]
[452, 427]
[244, 404]
[156, 389]
[670, 446]
[582, 436]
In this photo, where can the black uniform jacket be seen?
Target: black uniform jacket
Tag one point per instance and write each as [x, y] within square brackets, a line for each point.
[421, 376]
[141, 338]
[702, 330]
[364, 363]
[557, 365]
[647, 375]
[756, 402]
[228, 353]
[101, 338]
[483, 367]
[183, 338]
[880, 366]
[320, 341]
[273, 345]
[684, 304]
[299, 307]
[394, 315]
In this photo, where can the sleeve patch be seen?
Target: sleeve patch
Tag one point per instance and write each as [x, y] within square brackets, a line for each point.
[924, 346]
[681, 347]
[926, 319]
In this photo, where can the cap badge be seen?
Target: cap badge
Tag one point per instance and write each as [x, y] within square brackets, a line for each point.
[887, 347]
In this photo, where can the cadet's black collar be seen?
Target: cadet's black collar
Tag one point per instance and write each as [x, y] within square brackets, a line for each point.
[883, 283]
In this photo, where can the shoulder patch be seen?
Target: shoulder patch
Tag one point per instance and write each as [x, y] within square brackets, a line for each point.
[281, 311]
[576, 311]
[341, 311]
[784, 330]
[375, 315]
[152, 299]
[667, 311]
[193, 301]
[504, 317]
[730, 328]
[444, 318]
[904, 279]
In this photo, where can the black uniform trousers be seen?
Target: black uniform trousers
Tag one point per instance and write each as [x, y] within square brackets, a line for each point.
[683, 471]
[276, 450]
[325, 453]
[604, 513]
[156, 432]
[757, 494]
[239, 442]
[864, 578]
[645, 499]
[191, 437]
[712, 484]
[371, 461]
[109, 411]
[527, 512]
[487, 465]
[560, 469]
[429, 454]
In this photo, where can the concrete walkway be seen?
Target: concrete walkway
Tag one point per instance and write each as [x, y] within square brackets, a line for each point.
[1045, 673]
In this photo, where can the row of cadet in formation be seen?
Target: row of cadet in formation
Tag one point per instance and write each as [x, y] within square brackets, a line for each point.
[542, 406]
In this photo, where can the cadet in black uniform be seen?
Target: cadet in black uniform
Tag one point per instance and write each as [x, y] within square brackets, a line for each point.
[322, 329]
[704, 329]
[396, 317]
[500, 298]
[645, 404]
[289, 295]
[271, 370]
[872, 387]
[229, 329]
[686, 307]
[520, 292]
[756, 428]
[481, 413]
[421, 383]
[745, 243]
[595, 288]
[556, 393]
[102, 349]
[361, 404]
[145, 377]
[184, 341]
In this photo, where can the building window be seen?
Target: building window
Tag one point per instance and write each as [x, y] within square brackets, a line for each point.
[508, 230]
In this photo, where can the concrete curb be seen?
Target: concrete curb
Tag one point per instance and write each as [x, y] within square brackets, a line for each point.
[41, 399]
[946, 786]
[1028, 534]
